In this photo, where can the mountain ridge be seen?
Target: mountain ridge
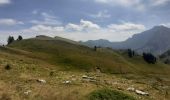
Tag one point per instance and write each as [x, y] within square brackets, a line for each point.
[155, 40]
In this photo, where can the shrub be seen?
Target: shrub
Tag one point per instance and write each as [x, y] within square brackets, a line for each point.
[19, 38]
[7, 67]
[148, 57]
[107, 94]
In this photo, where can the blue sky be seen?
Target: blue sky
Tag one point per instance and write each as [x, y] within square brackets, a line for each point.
[115, 20]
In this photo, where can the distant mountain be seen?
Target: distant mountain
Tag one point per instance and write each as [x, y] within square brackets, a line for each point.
[100, 42]
[155, 40]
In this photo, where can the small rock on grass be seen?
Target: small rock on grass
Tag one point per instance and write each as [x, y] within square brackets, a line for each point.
[67, 82]
[131, 89]
[41, 81]
[141, 93]
[27, 92]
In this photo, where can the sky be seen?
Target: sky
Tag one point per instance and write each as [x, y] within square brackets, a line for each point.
[114, 20]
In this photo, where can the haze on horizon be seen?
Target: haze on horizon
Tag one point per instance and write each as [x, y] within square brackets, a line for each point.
[114, 20]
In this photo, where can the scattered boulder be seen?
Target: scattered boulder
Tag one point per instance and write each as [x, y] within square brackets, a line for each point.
[119, 88]
[88, 79]
[93, 80]
[85, 76]
[67, 82]
[131, 89]
[27, 92]
[141, 92]
[41, 81]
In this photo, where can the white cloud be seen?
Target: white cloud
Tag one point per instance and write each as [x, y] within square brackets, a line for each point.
[47, 19]
[44, 28]
[166, 24]
[126, 27]
[101, 14]
[73, 27]
[87, 30]
[2, 2]
[10, 22]
[89, 24]
[83, 26]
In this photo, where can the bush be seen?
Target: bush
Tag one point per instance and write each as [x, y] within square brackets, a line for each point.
[107, 94]
[19, 38]
[149, 58]
[7, 67]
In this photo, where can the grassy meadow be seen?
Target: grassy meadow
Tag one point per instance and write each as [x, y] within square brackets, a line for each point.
[76, 72]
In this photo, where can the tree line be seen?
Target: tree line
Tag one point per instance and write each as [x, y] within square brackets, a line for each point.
[11, 39]
[148, 57]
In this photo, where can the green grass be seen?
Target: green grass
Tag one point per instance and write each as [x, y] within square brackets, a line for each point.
[78, 57]
[37, 58]
[107, 94]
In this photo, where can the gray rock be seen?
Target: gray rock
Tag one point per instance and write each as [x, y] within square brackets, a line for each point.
[41, 81]
[67, 82]
[141, 92]
[131, 89]
[27, 92]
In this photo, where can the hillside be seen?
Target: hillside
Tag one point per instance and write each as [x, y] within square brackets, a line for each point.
[73, 71]
[165, 57]
[76, 56]
[155, 40]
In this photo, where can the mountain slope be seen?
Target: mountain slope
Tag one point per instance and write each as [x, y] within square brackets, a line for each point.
[70, 56]
[155, 40]
[63, 66]
[101, 42]
[78, 57]
[158, 41]
[165, 57]
[20, 82]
